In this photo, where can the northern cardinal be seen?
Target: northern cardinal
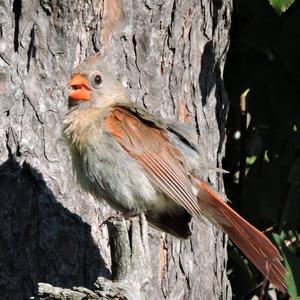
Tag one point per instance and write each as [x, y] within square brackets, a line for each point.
[139, 163]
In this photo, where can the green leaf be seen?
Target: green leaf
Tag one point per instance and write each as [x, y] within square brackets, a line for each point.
[292, 264]
[281, 6]
[250, 160]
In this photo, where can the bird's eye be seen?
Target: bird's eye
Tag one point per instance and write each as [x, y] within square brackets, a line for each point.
[98, 79]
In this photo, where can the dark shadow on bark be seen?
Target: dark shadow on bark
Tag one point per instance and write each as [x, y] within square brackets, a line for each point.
[222, 106]
[206, 80]
[40, 240]
[217, 5]
[210, 77]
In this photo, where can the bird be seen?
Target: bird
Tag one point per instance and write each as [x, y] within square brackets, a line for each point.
[140, 163]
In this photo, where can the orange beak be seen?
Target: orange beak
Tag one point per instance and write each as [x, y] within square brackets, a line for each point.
[80, 90]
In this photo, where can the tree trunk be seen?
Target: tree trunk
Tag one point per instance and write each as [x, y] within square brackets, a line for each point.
[170, 55]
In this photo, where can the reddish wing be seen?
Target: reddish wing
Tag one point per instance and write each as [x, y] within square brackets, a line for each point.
[150, 146]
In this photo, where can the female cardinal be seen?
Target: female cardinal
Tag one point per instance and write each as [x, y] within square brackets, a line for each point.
[140, 163]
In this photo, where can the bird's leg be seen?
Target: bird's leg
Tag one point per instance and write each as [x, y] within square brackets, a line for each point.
[128, 215]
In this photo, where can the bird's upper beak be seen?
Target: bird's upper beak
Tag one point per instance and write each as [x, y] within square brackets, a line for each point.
[79, 88]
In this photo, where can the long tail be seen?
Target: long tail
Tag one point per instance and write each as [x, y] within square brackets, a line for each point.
[254, 244]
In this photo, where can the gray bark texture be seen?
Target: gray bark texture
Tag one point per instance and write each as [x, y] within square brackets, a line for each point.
[53, 237]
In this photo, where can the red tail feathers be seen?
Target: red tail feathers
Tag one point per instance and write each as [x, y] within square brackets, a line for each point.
[254, 244]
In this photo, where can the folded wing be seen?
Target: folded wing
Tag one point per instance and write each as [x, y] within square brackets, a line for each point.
[164, 165]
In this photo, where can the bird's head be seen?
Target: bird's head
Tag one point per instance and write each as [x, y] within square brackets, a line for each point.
[93, 86]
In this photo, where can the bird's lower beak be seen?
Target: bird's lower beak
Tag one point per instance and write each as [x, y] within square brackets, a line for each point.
[79, 88]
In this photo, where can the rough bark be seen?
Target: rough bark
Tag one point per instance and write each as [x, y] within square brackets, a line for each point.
[170, 55]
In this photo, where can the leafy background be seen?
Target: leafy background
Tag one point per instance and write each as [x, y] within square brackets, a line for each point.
[263, 147]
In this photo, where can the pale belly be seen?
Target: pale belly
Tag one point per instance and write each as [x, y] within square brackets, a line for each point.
[108, 172]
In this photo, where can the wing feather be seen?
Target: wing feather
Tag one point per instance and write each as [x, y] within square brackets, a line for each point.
[150, 146]
[159, 169]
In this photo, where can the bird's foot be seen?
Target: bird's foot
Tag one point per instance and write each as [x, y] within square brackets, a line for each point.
[129, 215]
[118, 215]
